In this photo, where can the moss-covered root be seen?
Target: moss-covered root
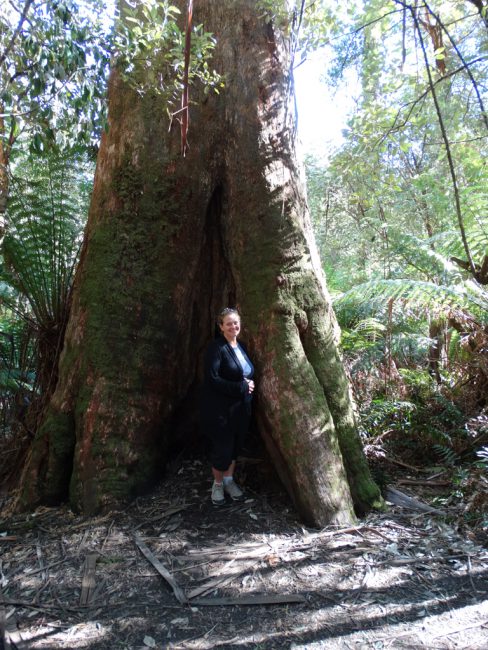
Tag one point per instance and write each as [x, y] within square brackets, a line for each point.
[298, 428]
[47, 472]
[323, 355]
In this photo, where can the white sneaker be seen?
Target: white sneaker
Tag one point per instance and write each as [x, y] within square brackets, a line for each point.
[218, 497]
[233, 490]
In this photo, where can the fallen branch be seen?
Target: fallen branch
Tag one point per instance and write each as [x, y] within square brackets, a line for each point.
[162, 570]
[402, 464]
[400, 499]
[275, 599]
[218, 582]
[409, 481]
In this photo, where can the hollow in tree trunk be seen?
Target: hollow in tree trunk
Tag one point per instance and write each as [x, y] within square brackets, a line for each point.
[169, 241]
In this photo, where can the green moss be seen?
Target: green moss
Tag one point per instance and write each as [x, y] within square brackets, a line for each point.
[124, 302]
[128, 183]
[323, 355]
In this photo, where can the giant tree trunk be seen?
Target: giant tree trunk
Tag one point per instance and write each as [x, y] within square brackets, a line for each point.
[169, 241]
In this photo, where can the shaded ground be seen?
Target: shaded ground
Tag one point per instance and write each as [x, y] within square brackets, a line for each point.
[397, 580]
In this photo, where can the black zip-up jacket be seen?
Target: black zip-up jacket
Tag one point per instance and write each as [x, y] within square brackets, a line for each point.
[226, 400]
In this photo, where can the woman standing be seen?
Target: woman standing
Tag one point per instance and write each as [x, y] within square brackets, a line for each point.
[226, 405]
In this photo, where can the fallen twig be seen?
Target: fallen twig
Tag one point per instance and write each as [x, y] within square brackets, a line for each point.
[218, 582]
[45, 568]
[419, 560]
[40, 606]
[163, 515]
[470, 575]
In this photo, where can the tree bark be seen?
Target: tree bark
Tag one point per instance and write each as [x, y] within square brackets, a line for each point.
[4, 180]
[169, 241]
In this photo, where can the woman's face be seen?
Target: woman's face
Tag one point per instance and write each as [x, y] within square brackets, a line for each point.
[230, 326]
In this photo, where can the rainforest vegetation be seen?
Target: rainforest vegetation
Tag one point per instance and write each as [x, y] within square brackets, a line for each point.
[399, 207]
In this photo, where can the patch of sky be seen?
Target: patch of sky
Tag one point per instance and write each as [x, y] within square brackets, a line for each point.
[322, 110]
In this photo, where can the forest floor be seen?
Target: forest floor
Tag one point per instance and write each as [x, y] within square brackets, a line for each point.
[246, 575]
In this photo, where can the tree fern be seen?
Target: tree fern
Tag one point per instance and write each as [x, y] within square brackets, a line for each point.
[17, 363]
[46, 215]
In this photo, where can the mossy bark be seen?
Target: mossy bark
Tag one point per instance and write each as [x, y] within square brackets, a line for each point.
[169, 241]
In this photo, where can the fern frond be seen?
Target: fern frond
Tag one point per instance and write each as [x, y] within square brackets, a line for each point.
[418, 297]
[371, 328]
[447, 455]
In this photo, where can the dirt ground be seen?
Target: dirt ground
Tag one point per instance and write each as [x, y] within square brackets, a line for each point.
[172, 571]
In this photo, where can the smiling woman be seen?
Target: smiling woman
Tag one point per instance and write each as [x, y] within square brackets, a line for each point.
[226, 403]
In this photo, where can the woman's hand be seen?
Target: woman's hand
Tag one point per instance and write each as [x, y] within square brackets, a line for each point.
[250, 385]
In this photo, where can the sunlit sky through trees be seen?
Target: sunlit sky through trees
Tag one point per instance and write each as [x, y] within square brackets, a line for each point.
[322, 111]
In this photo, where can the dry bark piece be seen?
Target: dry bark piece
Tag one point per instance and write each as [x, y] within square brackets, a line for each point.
[88, 582]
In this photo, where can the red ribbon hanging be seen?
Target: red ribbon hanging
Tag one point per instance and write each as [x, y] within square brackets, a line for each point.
[185, 94]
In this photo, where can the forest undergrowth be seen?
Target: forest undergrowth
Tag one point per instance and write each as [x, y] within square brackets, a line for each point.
[428, 438]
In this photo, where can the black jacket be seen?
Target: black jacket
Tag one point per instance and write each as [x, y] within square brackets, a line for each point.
[226, 401]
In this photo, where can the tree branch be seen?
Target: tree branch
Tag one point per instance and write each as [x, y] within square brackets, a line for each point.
[445, 138]
[421, 97]
[482, 10]
[10, 44]
[484, 114]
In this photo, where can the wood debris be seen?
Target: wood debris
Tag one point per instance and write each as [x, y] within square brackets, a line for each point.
[162, 570]
[401, 499]
[88, 581]
[270, 599]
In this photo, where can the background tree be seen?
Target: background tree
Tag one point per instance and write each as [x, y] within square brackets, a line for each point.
[53, 65]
